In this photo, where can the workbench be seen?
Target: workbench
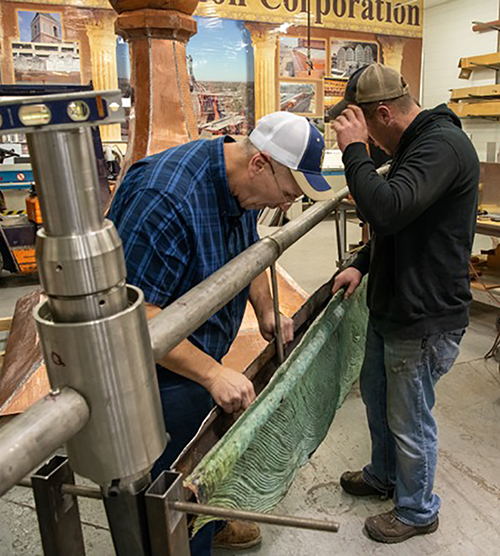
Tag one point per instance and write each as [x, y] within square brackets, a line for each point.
[490, 276]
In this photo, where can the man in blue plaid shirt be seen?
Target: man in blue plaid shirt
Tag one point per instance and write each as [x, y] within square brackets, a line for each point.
[184, 213]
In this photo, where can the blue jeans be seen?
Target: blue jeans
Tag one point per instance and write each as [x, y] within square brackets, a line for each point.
[185, 405]
[397, 386]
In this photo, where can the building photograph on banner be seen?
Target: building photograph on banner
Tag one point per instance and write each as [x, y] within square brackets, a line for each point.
[348, 56]
[41, 55]
[299, 58]
[220, 66]
[299, 98]
[333, 92]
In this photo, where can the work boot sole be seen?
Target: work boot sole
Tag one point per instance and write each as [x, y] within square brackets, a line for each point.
[377, 535]
[363, 489]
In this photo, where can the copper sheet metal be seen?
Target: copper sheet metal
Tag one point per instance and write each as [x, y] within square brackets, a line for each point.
[249, 342]
[259, 372]
[162, 112]
[23, 379]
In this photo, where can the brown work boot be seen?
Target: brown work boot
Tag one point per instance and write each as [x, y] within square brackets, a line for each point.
[354, 483]
[387, 528]
[237, 535]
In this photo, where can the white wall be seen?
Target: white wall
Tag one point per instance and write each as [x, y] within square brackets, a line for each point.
[448, 36]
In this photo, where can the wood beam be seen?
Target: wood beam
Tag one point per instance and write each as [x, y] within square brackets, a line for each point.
[476, 109]
[481, 92]
[468, 65]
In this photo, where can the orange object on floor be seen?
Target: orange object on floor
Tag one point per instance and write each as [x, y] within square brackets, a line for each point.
[33, 209]
[26, 259]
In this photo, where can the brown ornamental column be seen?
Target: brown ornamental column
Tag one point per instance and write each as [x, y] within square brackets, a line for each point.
[162, 113]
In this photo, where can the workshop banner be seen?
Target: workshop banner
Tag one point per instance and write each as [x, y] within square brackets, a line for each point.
[388, 17]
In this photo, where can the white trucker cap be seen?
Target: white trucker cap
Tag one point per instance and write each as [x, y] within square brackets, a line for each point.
[294, 142]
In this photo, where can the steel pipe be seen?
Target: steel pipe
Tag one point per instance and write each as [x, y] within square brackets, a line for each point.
[187, 313]
[230, 513]
[214, 511]
[72, 490]
[277, 317]
[33, 436]
[66, 157]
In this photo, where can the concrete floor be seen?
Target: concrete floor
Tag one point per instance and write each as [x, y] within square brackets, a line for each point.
[468, 479]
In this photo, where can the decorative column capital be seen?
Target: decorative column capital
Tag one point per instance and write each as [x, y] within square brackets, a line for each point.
[158, 24]
[392, 48]
[183, 6]
[157, 31]
[261, 38]
[100, 29]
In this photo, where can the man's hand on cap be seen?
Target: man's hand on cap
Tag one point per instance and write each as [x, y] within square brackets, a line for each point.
[350, 127]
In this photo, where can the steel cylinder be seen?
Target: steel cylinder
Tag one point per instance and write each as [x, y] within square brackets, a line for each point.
[80, 264]
[110, 362]
[66, 157]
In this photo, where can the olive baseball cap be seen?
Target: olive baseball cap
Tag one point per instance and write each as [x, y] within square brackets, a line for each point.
[371, 83]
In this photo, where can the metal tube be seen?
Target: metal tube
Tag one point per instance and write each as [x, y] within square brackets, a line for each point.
[33, 436]
[229, 513]
[126, 511]
[187, 313]
[277, 317]
[203, 509]
[66, 157]
[58, 514]
[294, 230]
[73, 490]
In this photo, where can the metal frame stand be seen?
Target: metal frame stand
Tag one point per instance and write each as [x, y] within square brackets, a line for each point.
[126, 513]
[100, 350]
[58, 513]
[168, 529]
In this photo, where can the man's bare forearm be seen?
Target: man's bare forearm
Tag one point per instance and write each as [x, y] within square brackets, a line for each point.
[229, 389]
[260, 295]
[186, 359]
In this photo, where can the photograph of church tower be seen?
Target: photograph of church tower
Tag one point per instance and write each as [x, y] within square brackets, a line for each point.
[45, 28]
[41, 55]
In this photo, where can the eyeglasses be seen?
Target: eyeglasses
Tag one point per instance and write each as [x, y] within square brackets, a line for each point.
[288, 198]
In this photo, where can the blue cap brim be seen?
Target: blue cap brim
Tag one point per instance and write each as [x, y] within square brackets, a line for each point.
[316, 186]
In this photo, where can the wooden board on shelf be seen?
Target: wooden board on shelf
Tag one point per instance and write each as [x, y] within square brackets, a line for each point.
[468, 65]
[485, 91]
[476, 109]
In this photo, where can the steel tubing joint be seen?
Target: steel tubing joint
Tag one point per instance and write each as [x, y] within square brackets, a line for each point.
[32, 437]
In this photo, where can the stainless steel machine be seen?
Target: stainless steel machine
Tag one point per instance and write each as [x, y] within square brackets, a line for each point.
[100, 351]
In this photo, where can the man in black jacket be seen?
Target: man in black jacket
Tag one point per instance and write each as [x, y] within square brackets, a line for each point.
[422, 218]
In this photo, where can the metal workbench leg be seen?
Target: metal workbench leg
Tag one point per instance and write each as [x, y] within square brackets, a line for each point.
[167, 527]
[126, 511]
[58, 513]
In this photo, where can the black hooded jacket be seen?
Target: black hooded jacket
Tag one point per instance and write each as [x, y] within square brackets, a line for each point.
[423, 217]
